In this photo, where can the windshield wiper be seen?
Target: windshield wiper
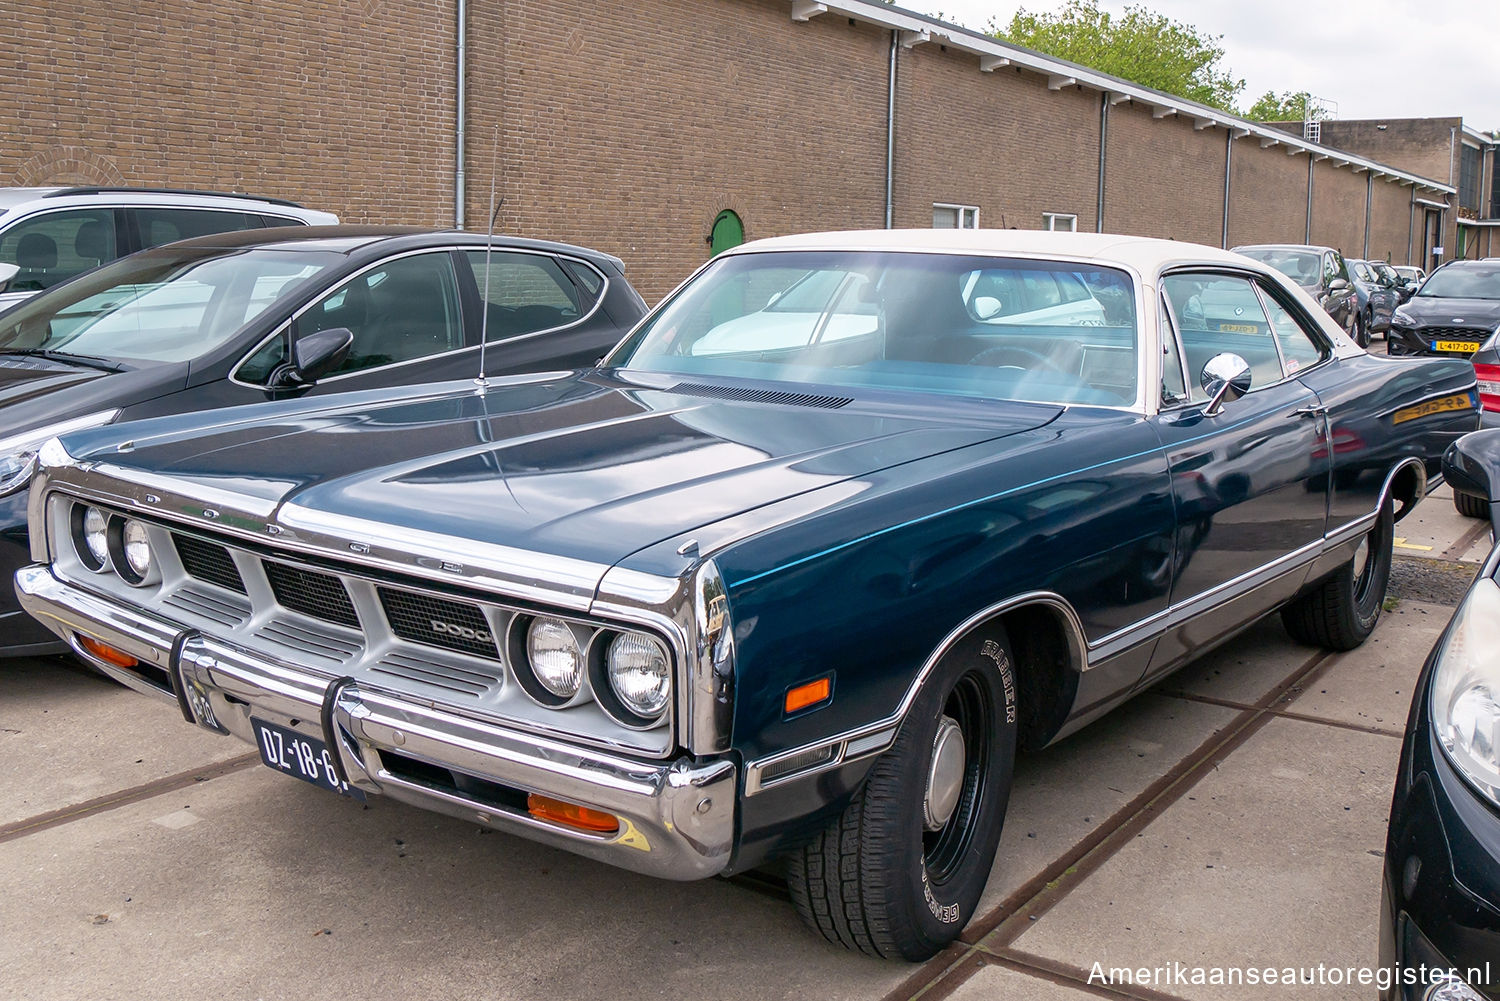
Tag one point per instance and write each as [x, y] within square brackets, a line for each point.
[88, 361]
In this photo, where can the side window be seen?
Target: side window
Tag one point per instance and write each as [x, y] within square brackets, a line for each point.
[526, 293]
[1330, 268]
[1217, 314]
[258, 367]
[401, 311]
[276, 220]
[158, 226]
[1299, 349]
[1173, 389]
[55, 246]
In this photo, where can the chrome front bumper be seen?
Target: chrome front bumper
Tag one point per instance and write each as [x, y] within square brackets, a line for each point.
[676, 818]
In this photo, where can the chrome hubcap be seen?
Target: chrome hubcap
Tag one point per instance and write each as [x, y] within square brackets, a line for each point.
[945, 777]
[1361, 557]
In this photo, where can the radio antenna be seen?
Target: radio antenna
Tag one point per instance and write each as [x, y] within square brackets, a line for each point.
[489, 245]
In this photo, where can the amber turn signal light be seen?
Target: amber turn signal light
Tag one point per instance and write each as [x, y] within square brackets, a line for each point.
[107, 653]
[571, 814]
[809, 694]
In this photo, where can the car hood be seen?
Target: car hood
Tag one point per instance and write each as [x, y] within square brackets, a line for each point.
[1446, 312]
[25, 377]
[579, 468]
[37, 391]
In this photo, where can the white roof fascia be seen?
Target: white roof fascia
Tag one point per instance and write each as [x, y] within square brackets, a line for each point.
[989, 49]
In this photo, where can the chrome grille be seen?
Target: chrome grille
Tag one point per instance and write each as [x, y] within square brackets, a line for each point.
[439, 622]
[212, 605]
[437, 673]
[319, 595]
[208, 561]
[314, 643]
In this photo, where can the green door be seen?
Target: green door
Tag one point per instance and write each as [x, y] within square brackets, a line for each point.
[728, 232]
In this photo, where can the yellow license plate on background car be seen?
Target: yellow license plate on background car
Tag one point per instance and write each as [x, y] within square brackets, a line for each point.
[1245, 328]
[1460, 401]
[1465, 347]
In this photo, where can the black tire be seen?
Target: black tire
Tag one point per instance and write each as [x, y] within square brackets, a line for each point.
[1340, 611]
[1471, 506]
[876, 879]
[1361, 330]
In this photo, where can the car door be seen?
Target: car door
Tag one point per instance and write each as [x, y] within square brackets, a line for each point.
[540, 311]
[1250, 481]
[1342, 301]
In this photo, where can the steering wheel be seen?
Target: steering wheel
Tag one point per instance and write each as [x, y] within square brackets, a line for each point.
[998, 357]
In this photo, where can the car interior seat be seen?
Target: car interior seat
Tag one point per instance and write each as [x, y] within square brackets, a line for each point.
[36, 256]
[91, 245]
[408, 319]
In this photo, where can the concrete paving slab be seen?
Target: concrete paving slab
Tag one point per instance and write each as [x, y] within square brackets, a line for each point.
[1065, 792]
[1435, 529]
[995, 982]
[68, 735]
[1245, 669]
[1273, 860]
[257, 886]
[1375, 688]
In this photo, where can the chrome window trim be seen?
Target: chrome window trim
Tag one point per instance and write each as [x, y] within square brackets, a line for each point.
[285, 325]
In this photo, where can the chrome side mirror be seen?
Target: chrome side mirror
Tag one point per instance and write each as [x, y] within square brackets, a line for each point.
[7, 273]
[1225, 378]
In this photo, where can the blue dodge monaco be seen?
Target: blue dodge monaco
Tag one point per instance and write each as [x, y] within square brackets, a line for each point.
[841, 525]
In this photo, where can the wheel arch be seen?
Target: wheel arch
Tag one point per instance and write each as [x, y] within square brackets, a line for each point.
[1407, 483]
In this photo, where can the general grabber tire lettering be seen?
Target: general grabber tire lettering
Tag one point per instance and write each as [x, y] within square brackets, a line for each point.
[880, 878]
[1340, 612]
[1471, 506]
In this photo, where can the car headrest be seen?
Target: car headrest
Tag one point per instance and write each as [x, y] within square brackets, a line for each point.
[92, 242]
[36, 252]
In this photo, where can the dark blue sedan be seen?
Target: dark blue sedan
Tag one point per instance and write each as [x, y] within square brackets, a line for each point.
[844, 523]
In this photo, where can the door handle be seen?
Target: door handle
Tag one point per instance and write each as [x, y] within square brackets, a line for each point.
[1314, 411]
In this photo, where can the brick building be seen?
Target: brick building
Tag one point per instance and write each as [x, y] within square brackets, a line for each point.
[1443, 148]
[649, 132]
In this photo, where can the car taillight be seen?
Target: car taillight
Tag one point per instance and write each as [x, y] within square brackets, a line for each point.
[1489, 386]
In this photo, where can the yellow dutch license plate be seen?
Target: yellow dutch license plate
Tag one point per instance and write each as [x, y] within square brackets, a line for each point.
[1463, 347]
[1245, 328]
[1461, 401]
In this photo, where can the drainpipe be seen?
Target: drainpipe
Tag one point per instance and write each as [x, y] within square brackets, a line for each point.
[1228, 161]
[1103, 145]
[890, 135]
[1310, 162]
[1369, 195]
[458, 130]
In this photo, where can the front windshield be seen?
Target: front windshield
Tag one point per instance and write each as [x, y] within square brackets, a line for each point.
[1463, 283]
[988, 327]
[1301, 266]
[161, 305]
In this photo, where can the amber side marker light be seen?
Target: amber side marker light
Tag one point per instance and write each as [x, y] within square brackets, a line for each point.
[571, 814]
[809, 694]
[107, 653]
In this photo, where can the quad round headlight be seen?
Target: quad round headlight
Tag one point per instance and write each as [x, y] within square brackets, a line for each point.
[130, 550]
[554, 656]
[639, 674]
[90, 537]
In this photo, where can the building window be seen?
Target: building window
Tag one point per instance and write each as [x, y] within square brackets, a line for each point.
[1468, 177]
[1059, 222]
[955, 216]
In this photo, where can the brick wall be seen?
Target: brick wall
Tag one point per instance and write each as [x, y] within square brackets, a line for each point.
[1268, 194]
[1391, 224]
[1338, 208]
[343, 106]
[1000, 141]
[1163, 177]
[616, 126]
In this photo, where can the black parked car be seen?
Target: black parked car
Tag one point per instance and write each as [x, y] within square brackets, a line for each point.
[1378, 296]
[1455, 312]
[1323, 274]
[1440, 902]
[274, 314]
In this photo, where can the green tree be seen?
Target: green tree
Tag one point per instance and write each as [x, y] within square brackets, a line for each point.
[1139, 45]
[1289, 106]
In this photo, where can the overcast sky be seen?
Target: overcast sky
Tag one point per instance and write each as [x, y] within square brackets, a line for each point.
[1373, 58]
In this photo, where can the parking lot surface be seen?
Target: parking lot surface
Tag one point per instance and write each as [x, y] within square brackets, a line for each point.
[1233, 816]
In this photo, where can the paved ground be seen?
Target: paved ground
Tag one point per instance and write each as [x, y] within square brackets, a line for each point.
[1232, 817]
